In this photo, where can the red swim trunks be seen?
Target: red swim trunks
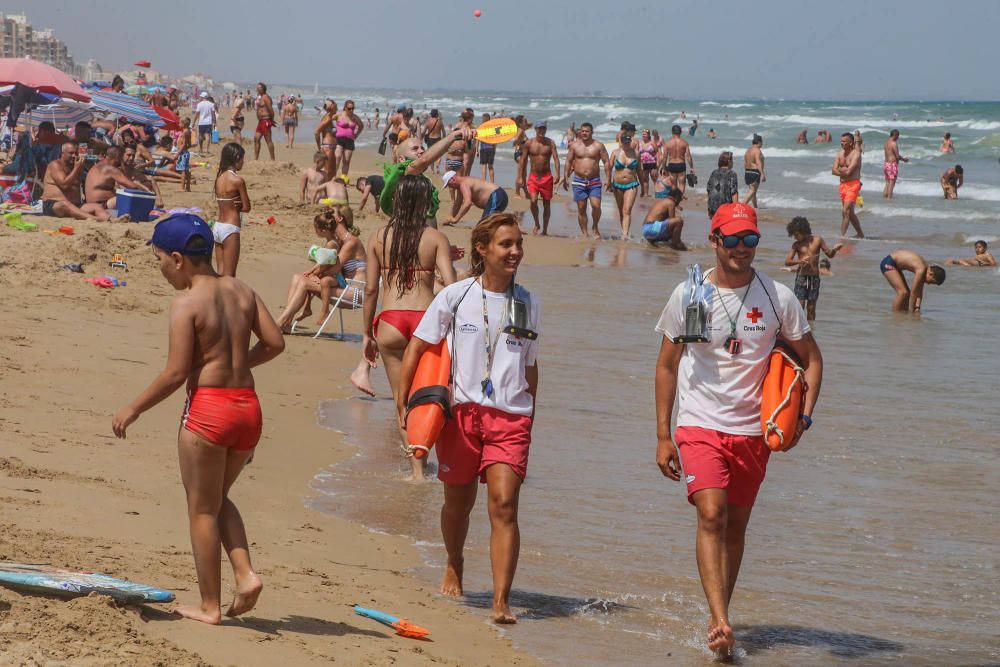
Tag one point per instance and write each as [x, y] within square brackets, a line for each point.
[476, 437]
[264, 126]
[716, 460]
[540, 184]
[891, 170]
[227, 417]
[849, 191]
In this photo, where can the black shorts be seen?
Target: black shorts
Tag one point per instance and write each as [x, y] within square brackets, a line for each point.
[204, 129]
[49, 208]
[751, 176]
[676, 167]
[487, 153]
[346, 143]
[430, 141]
[648, 167]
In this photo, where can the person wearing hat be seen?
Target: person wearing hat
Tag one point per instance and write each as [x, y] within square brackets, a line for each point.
[207, 117]
[210, 327]
[717, 386]
[488, 196]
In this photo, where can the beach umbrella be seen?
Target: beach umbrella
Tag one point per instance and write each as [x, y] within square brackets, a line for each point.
[40, 77]
[143, 63]
[137, 89]
[60, 115]
[130, 107]
[171, 121]
[34, 97]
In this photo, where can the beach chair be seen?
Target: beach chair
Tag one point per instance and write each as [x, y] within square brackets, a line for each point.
[351, 297]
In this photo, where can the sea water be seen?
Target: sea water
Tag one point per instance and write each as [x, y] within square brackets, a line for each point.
[875, 541]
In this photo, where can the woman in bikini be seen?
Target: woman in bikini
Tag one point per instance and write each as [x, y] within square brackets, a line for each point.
[625, 179]
[405, 254]
[326, 140]
[231, 195]
[649, 157]
[347, 128]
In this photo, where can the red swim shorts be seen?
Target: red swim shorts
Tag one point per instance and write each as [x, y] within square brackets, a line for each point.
[849, 191]
[264, 126]
[224, 416]
[716, 460]
[476, 437]
[540, 184]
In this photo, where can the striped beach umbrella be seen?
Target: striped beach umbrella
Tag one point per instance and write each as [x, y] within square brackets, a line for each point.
[60, 115]
[125, 105]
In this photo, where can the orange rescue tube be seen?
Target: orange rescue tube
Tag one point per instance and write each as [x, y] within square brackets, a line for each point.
[429, 404]
[783, 397]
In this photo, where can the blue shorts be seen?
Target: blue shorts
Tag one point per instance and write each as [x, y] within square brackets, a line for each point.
[888, 264]
[497, 203]
[586, 188]
[183, 161]
[204, 129]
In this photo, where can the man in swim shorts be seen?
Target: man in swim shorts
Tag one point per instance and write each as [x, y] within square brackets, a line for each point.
[891, 165]
[983, 257]
[488, 196]
[753, 169]
[951, 180]
[717, 386]
[892, 267]
[847, 166]
[668, 209]
[583, 160]
[221, 423]
[265, 121]
[61, 195]
[677, 157]
[541, 152]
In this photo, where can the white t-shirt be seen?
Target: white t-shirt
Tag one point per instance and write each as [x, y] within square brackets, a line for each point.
[718, 390]
[512, 356]
[205, 109]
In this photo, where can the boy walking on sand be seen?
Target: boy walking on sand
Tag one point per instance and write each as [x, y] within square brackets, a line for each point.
[804, 254]
[183, 163]
[210, 328]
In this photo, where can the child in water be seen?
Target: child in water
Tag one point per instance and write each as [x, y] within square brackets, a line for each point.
[210, 327]
[804, 254]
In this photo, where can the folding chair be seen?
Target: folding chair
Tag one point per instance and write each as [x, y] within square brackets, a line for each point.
[351, 297]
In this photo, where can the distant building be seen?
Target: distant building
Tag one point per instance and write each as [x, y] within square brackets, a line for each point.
[18, 39]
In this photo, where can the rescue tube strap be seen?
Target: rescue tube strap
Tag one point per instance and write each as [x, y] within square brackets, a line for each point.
[435, 394]
[772, 427]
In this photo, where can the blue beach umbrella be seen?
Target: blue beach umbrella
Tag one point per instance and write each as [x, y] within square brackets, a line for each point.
[61, 115]
[130, 107]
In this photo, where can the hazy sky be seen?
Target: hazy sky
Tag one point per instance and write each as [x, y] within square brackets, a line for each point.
[796, 49]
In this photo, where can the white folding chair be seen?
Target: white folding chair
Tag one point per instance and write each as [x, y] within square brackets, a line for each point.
[351, 297]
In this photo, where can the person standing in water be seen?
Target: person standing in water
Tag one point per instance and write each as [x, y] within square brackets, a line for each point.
[626, 168]
[753, 169]
[495, 392]
[717, 386]
[847, 166]
[891, 165]
[677, 157]
[892, 267]
[583, 165]
[541, 153]
[231, 195]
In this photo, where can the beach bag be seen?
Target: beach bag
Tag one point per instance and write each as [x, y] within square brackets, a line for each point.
[19, 193]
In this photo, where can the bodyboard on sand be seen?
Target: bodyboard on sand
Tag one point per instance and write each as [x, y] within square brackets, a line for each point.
[51, 580]
[497, 131]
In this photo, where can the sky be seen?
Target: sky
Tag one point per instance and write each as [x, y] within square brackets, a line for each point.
[725, 49]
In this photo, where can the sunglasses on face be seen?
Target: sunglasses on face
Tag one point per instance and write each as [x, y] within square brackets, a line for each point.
[730, 241]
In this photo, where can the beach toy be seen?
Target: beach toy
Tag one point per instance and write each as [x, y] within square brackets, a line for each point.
[497, 131]
[67, 230]
[14, 220]
[402, 627]
[118, 262]
[860, 201]
[783, 395]
[75, 268]
[429, 405]
[271, 220]
[50, 580]
[100, 282]
[321, 255]
[477, 13]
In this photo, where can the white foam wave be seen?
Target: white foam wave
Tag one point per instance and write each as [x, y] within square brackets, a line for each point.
[971, 239]
[738, 105]
[861, 121]
[793, 202]
[933, 189]
[768, 152]
[890, 211]
[709, 104]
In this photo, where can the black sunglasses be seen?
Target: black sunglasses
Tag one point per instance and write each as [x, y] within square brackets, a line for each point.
[730, 241]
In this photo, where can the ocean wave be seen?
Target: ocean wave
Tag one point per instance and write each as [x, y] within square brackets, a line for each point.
[970, 239]
[853, 123]
[768, 152]
[709, 104]
[891, 211]
[933, 189]
[793, 202]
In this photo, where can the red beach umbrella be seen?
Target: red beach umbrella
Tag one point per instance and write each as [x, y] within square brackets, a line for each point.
[171, 121]
[143, 63]
[41, 77]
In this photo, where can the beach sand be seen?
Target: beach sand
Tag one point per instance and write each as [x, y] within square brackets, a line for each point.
[71, 495]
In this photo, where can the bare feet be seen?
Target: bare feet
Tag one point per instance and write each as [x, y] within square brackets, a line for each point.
[246, 596]
[322, 317]
[596, 236]
[721, 640]
[451, 583]
[502, 614]
[536, 231]
[212, 617]
[362, 381]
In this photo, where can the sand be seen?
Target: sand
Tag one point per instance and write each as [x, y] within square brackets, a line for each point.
[72, 495]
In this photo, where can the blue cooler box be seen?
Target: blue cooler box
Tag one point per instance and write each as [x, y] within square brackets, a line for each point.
[137, 204]
[215, 135]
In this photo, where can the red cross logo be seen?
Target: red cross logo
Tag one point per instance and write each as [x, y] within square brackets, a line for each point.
[754, 315]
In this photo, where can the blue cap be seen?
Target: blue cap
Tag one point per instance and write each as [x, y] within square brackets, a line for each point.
[172, 234]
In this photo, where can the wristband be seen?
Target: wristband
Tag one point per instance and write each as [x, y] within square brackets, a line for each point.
[808, 422]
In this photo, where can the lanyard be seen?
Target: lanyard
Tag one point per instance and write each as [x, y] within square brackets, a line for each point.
[487, 383]
[732, 322]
